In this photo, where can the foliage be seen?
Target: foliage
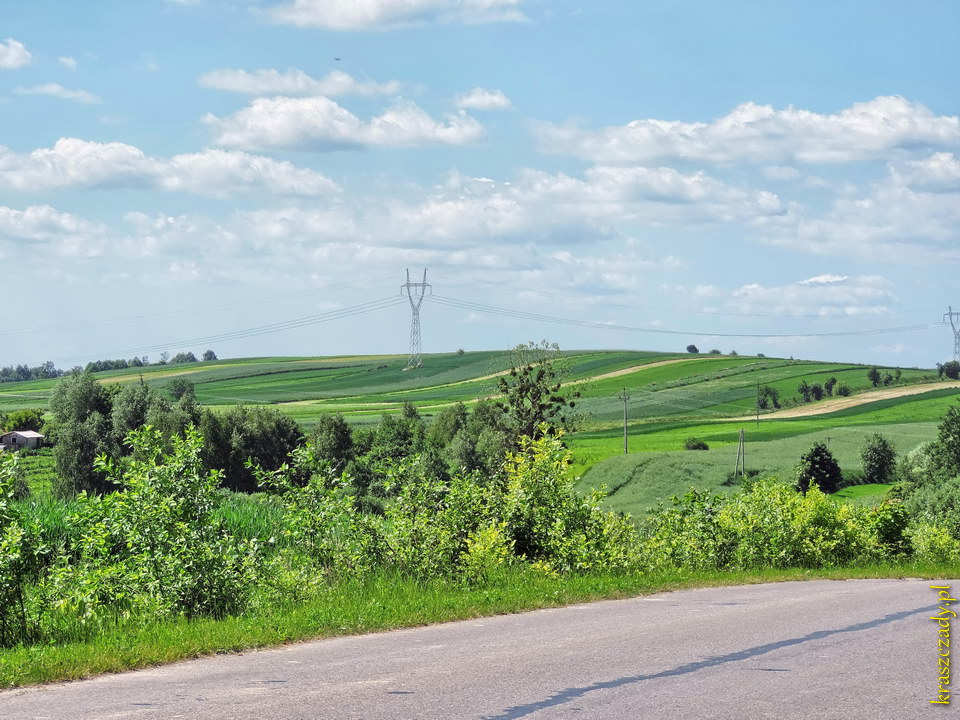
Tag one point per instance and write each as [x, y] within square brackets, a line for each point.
[944, 452]
[178, 387]
[155, 548]
[818, 467]
[693, 443]
[829, 385]
[332, 440]
[533, 397]
[844, 390]
[264, 436]
[693, 349]
[31, 419]
[878, 459]
[873, 375]
[82, 409]
[208, 355]
[18, 550]
[183, 357]
[951, 369]
[768, 396]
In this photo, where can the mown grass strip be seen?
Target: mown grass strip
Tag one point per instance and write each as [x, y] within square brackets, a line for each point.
[378, 604]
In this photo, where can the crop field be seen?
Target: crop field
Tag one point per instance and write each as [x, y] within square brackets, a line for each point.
[672, 397]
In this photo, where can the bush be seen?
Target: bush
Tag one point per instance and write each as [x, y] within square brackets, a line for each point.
[951, 369]
[693, 443]
[693, 349]
[843, 390]
[878, 459]
[818, 467]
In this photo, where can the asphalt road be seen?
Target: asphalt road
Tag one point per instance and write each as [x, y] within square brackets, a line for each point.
[812, 650]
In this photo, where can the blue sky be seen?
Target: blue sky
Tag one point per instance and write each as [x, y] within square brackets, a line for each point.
[176, 174]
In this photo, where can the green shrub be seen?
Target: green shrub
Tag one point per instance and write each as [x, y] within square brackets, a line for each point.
[818, 467]
[878, 459]
[693, 443]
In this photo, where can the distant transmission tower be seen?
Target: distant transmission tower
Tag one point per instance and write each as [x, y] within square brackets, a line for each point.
[415, 293]
[954, 317]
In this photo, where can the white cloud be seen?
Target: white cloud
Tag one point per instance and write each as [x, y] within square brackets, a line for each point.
[318, 123]
[294, 83]
[68, 62]
[938, 173]
[72, 162]
[482, 99]
[824, 296]
[385, 14]
[761, 134]
[13, 55]
[59, 91]
[66, 234]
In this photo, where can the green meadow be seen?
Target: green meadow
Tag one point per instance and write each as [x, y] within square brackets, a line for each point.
[672, 397]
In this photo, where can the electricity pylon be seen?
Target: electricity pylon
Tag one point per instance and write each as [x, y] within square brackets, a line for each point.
[415, 293]
[954, 317]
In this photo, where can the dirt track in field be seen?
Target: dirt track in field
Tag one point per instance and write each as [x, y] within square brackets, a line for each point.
[842, 403]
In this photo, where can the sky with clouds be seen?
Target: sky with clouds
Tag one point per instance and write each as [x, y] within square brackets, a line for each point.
[255, 176]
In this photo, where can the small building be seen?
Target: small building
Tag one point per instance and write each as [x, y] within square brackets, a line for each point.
[16, 439]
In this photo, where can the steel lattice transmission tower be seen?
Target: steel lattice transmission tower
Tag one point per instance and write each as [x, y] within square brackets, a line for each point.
[415, 293]
[953, 318]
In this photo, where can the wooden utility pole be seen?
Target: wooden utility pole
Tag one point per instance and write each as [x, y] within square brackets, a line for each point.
[758, 403]
[741, 467]
[623, 396]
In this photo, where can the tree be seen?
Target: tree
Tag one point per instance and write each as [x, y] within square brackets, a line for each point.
[878, 459]
[818, 467]
[873, 375]
[692, 349]
[332, 440]
[816, 391]
[533, 399]
[23, 420]
[209, 355]
[804, 389]
[951, 369]
[263, 436]
[183, 357]
[829, 385]
[81, 408]
[715, 351]
[944, 452]
[768, 396]
[178, 387]
[843, 390]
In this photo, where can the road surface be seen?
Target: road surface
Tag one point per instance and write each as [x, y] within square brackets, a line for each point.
[812, 650]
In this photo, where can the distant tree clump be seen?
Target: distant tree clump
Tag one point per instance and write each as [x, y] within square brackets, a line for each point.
[209, 355]
[768, 397]
[804, 389]
[843, 390]
[715, 351]
[183, 357]
[22, 373]
[950, 369]
[816, 391]
[818, 467]
[179, 387]
[23, 420]
[829, 385]
[874, 376]
[693, 349]
[878, 459]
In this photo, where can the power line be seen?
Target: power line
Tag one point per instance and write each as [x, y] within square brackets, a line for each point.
[522, 314]
[259, 330]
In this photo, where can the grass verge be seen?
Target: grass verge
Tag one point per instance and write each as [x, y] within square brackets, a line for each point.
[378, 604]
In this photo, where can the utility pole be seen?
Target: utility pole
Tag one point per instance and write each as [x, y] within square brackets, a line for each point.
[623, 396]
[953, 318]
[758, 403]
[415, 293]
[741, 467]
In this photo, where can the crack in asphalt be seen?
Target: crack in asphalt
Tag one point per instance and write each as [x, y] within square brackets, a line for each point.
[564, 696]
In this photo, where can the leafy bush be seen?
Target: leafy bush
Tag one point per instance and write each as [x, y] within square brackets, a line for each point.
[18, 549]
[693, 443]
[818, 467]
[843, 390]
[878, 459]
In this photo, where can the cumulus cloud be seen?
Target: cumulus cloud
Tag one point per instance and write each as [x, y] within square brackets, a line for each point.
[59, 91]
[65, 234]
[318, 123]
[938, 173]
[13, 54]
[387, 14]
[761, 134]
[294, 83]
[76, 163]
[483, 99]
[68, 62]
[825, 296]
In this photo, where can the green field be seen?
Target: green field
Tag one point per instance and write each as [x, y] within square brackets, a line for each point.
[672, 397]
